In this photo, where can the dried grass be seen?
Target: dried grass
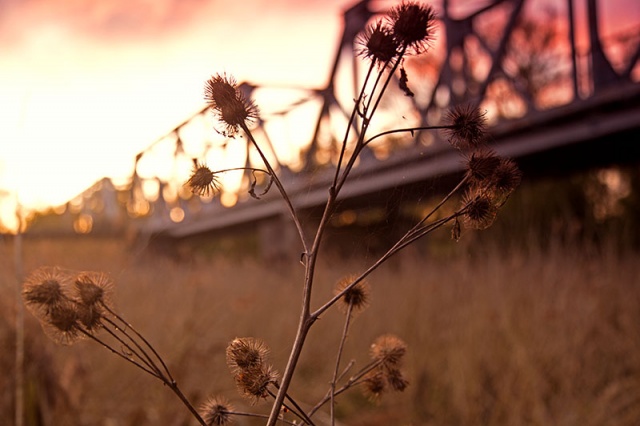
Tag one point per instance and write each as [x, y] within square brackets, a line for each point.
[526, 338]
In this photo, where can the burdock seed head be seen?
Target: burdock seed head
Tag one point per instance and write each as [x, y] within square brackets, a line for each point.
[396, 379]
[254, 383]
[44, 289]
[357, 296]
[216, 411]
[481, 166]
[62, 323]
[412, 24]
[378, 44]
[229, 105]
[89, 316]
[506, 177]
[479, 209]
[389, 350]
[93, 288]
[246, 353]
[466, 127]
[375, 384]
[203, 181]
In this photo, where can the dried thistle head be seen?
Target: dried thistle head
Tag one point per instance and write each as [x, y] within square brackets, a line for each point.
[412, 24]
[396, 379]
[89, 316]
[389, 349]
[481, 166]
[62, 324]
[506, 177]
[229, 105]
[374, 384]
[44, 289]
[253, 383]
[93, 288]
[479, 209]
[216, 411]
[246, 353]
[203, 181]
[357, 297]
[378, 44]
[466, 127]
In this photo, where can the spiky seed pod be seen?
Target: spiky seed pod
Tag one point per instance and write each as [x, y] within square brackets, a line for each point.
[357, 296]
[62, 324]
[396, 380]
[229, 105]
[479, 209]
[89, 316]
[203, 181]
[374, 384]
[93, 288]
[412, 25]
[254, 383]
[217, 411]
[506, 177]
[378, 44]
[466, 127]
[44, 289]
[481, 166]
[389, 349]
[246, 353]
[220, 90]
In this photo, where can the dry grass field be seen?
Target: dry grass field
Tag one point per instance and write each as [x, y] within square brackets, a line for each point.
[529, 337]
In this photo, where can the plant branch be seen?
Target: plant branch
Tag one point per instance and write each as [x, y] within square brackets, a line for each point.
[145, 341]
[332, 390]
[120, 354]
[280, 187]
[353, 380]
[299, 412]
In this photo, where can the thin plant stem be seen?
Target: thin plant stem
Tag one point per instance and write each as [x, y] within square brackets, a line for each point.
[353, 381]
[120, 354]
[367, 120]
[344, 372]
[170, 382]
[354, 113]
[260, 416]
[279, 185]
[143, 356]
[299, 412]
[174, 387]
[444, 200]
[345, 330]
[396, 63]
[145, 341]
[235, 169]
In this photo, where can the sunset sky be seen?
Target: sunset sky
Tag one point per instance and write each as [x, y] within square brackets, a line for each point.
[85, 85]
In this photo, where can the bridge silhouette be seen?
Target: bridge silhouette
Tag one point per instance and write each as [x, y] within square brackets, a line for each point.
[558, 96]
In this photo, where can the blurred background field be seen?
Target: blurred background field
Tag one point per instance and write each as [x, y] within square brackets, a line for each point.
[503, 328]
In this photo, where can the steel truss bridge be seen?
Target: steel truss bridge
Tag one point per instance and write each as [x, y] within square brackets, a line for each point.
[558, 94]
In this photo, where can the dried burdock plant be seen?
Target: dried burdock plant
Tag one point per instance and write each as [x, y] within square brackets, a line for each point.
[232, 109]
[203, 181]
[72, 305]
